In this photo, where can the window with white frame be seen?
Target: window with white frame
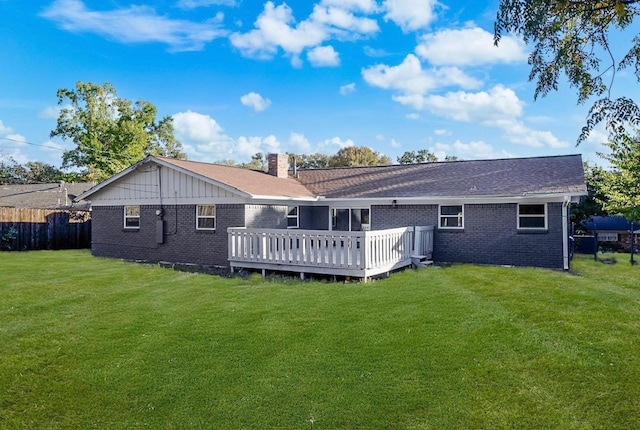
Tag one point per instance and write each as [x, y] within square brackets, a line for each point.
[132, 217]
[205, 217]
[292, 217]
[532, 216]
[607, 237]
[451, 216]
[350, 219]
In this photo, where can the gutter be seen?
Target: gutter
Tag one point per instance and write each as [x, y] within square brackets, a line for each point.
[565, 232]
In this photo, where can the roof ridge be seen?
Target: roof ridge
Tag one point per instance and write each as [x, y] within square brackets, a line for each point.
[536, 157]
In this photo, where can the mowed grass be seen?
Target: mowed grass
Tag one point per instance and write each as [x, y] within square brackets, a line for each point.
[88, 342]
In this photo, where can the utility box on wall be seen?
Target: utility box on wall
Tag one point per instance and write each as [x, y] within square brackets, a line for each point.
[159, 231]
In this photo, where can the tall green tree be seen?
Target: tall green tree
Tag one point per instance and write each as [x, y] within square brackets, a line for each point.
[309, 161]
[421, 156]
[32, 172]
[110, 133]
[10, 171]
[593, 203]
[258, 162]
[621, 185]
[39, 172]
[353, 156]
[573, 38]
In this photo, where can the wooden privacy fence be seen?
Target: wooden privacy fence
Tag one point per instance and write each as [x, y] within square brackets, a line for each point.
[24, 229]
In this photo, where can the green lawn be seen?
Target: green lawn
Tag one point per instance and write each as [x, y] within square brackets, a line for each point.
[97, 343]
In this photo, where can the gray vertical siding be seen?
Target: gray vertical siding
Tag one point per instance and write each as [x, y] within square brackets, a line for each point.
[490, 234]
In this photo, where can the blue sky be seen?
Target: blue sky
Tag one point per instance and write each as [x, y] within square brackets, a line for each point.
[241, 77]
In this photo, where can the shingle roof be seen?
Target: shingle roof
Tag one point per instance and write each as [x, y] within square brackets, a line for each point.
[253, 182]
[43, 196]
[500, 177]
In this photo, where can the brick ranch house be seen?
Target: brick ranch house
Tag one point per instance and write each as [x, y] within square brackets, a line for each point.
[499, 212]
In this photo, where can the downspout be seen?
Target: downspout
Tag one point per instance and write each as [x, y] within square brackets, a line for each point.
[565, 231]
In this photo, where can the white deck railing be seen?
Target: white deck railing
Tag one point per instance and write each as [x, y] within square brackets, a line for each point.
[359, 254]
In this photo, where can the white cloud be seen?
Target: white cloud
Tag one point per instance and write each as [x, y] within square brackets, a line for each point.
[597, 137]
[413, 116]
[515, 131]
[410, 15]
[410, 79]
[347, 88]
[299, 142]
[323, 56]
[50, 112]
[395, 144]
[17, 140]
[374, 52]
[367, 6]
[496, 104]
[468, 151]
[193, 4]
[276, 29]
[248, 146]
[54, 147]
[255, 101]
[333, 145]
[17, 156]
[341, 18]
[468, 47]
[197, 127]
[202, 137]
[135, 24]
[4, 129]
[442, 132]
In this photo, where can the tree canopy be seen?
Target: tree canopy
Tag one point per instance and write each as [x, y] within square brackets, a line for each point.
[621, 186]
[354, 156]
[573, 38]
[421, 156]
[32, 172]
[110, 133]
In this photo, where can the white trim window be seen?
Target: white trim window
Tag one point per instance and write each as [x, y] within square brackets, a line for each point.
[451, 216]
[292, 217]
[532, 216]
[205, 217]
[607, 237]
[132, 217]
[350, 219]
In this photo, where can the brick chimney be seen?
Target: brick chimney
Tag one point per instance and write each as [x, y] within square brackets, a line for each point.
[278, 165]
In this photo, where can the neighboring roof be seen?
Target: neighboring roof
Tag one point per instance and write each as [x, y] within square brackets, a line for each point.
[609, 223]
[43, 196]
[252, 182]
[500, 177]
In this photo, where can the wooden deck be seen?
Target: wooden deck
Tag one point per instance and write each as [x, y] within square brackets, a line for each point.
[359, 254]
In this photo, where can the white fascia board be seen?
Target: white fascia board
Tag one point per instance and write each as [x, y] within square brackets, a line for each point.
[276, 200]
[172, 202]
[552, 198]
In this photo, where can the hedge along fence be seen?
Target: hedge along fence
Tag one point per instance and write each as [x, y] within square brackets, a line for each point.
[24, 229]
